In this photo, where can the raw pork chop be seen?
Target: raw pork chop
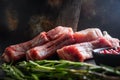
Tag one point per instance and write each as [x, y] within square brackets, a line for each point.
[18, 51]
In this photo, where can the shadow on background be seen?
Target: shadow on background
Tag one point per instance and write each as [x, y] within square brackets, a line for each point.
[104, 14]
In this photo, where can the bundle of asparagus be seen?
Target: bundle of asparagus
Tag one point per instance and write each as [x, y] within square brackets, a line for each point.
[59, 70]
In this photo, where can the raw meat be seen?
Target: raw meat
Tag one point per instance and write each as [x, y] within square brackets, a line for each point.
[49, 49]
[44, 51]
[82, 51]
[87, 35]
[57, 32]
[77, 52]
[114, 41]
[46, 44]
[18, 51]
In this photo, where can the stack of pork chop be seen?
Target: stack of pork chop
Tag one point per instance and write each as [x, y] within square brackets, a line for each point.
[69, 45]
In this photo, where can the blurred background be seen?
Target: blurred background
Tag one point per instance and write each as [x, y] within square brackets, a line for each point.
[21, 20]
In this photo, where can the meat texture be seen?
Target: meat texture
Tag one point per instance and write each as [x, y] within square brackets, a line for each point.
[87, 35]
[69, 45]
[114, 41]
[82, 51]
[58, 31]
[47, 50]
[18, 51]
[93, 35]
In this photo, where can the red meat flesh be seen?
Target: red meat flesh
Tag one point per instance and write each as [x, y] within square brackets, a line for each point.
[77, 52]
[18, 51]
[82, 51]
[114, 41]
[87, 35]
[58, 31]
[47, 50]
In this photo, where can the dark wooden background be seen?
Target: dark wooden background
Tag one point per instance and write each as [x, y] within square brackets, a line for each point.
[104, 14]
[21, 20]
